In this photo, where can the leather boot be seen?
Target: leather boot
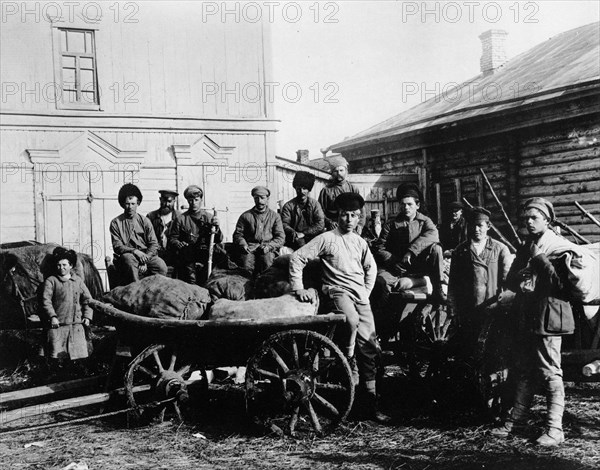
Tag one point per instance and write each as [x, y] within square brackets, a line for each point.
[555, 404]
[354, 369]
[372, 411]
[523, 398]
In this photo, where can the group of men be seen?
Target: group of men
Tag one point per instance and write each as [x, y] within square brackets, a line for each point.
[358, 277]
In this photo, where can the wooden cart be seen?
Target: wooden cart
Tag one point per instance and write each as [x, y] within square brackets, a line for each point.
[297, 379]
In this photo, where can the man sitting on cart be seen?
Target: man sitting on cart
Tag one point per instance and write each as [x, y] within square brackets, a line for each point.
[258, 234]
[133, 239]
[349, 272]
[190, 237]
[408, 246]
[478, 270]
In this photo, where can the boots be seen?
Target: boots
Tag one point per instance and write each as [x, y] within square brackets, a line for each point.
[555, 403]
[371, 410]
[354, 368]
[523, 398]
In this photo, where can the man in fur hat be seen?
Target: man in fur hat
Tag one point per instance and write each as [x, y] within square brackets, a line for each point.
[258, 234]
[349, 272]
[162, 219]
[408, 246]
[133, 239]
[302, 217]
[338, 184]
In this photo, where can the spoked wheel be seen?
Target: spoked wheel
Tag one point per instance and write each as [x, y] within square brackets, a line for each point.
[155, 381]
[432, 330]
[299, 382]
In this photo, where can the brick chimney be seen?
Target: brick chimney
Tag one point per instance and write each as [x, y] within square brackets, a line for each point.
[494, 54]
[302, 156]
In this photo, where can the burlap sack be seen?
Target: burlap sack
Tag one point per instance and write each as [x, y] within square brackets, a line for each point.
[229, 284]
[286, 306]
[160, 297]
[274, 282]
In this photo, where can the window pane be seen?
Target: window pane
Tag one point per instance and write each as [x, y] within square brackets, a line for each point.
[69, 78]
[87, 79]
[88, 97]
[68, 61]
[86, 62]
[75, 41]
[89, 48]
[69, 96]
[63, 41]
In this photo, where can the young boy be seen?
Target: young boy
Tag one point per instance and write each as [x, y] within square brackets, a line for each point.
[349, 273]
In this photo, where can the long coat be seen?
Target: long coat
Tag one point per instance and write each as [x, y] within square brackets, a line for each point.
[476, 278]
[66, 300]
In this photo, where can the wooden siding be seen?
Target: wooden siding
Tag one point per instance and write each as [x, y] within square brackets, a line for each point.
[169, 63]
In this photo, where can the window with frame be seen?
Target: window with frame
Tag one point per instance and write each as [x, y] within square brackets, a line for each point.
[78, 69]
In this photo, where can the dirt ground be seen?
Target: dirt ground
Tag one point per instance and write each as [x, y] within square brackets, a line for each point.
[431, 429]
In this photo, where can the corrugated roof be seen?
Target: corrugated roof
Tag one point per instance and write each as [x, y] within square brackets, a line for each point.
[546, 71]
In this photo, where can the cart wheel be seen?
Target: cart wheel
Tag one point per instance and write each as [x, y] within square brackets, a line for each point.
[432, 330]
[155, 380]
[298, 382]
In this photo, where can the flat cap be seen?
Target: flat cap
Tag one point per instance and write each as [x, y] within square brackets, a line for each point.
[478, 214]
[456, 205]
[168, 192]
[260, 191]
[541, 204]
[349, 202]
[193, 191]
[128, 190]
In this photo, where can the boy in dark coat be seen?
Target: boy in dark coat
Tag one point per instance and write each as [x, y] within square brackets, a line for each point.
[543, 315]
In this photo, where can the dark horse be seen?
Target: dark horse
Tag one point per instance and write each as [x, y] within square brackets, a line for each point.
[22, 273]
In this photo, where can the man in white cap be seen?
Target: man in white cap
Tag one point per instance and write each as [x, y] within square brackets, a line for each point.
[161, 220]
[337, 184]
[544, 315]
[349, 272]
[258, 234]
[190, 238]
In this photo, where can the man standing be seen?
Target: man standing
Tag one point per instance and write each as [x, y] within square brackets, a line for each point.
[190, 237]
[477, 273]
[133, 239]
[337, 185]
[543, 316]
[349, 272]
[161, 220]
[302, 217]
[408, 245]
[454, 230]
[258, 234]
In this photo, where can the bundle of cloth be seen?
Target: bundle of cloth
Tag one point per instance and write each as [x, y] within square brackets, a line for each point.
[159, 296]
[230, 284]
[285, 306]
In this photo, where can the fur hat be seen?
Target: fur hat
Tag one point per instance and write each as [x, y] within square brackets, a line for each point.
[128, 190]
[336, 161]
[60, 252]
[304, 179]
[409, 190]
[349, 202]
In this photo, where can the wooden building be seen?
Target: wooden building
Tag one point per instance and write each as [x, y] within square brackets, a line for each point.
[132, 92]
[531, 123]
